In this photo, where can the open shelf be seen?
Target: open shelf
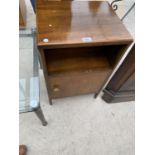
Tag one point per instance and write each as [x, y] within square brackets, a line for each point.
[83, 59]
[80, 70]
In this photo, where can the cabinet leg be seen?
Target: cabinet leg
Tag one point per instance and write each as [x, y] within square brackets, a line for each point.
[95, 95]
[50, 102]
[40, 115]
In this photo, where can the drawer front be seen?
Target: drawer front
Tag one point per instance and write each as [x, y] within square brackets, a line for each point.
[76, 84]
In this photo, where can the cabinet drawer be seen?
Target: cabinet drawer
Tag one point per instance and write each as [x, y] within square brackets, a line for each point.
[72, 84]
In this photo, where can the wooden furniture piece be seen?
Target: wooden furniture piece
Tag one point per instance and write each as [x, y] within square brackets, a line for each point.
[122, 85]
[22, 14]
[79, 42]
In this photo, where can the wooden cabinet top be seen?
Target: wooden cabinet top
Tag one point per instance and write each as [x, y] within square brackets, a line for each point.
[78, 23]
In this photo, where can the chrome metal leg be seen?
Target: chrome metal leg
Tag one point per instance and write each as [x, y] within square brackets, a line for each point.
[40, 115]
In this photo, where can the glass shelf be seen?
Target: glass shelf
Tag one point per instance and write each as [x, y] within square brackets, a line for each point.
[28, 77]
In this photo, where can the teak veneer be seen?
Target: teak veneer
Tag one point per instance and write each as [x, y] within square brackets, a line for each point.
[80, 42]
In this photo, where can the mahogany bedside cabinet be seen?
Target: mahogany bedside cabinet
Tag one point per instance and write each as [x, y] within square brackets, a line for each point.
[80, 43]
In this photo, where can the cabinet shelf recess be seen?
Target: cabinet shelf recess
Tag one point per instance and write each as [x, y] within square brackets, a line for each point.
[74, 59]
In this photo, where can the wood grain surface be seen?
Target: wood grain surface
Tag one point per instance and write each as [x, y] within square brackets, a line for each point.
[80, 43]
[22, 14]
[66, 23]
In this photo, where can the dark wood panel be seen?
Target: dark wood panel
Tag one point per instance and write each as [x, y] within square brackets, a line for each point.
[124, 72]
[110, 97]
[122, 85]
[129, 85]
